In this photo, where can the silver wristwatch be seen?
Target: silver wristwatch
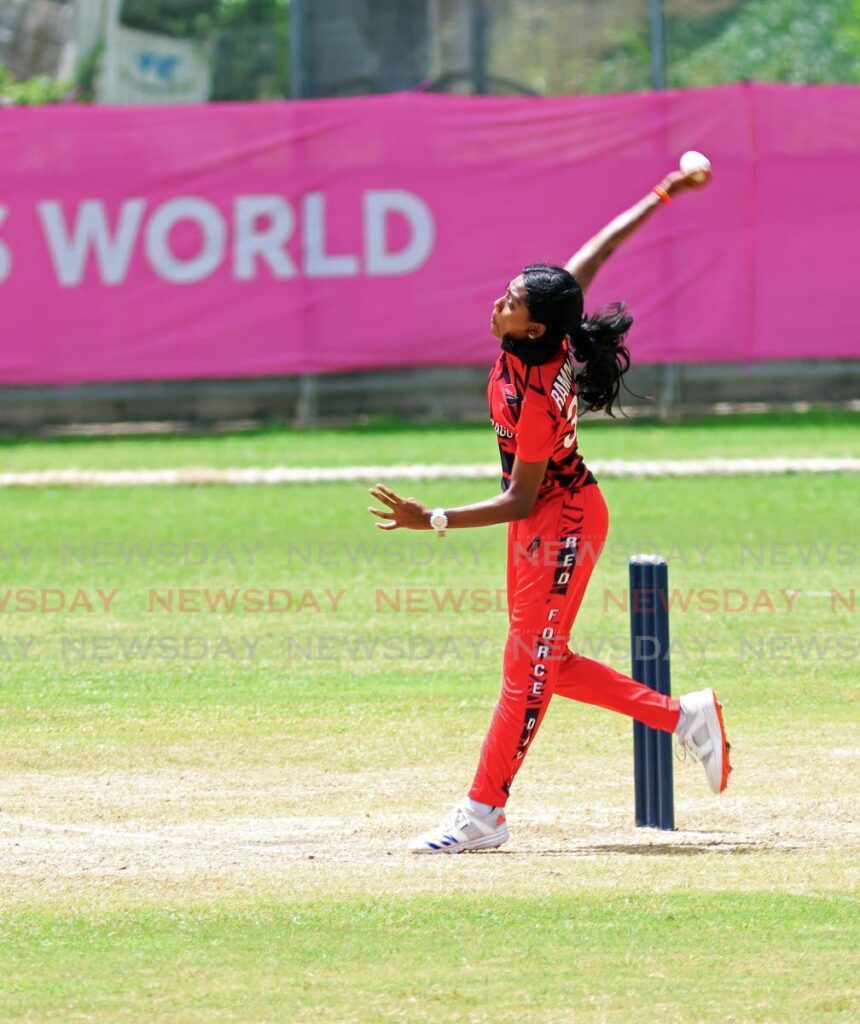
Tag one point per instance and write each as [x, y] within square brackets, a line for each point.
[439, 521]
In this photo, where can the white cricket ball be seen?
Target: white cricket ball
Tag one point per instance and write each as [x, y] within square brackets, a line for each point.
[698, 162]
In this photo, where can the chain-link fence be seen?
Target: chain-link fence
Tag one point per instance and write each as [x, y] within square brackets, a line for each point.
[181, 50]
[548, 47]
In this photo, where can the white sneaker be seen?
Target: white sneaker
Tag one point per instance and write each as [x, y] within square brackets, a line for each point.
[464, 830]
[703, 736]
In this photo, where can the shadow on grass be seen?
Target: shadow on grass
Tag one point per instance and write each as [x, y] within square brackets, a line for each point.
[665, 849]
[679, 849]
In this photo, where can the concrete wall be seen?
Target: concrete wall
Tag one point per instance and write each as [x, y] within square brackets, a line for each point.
[34, 36]
[417, 394]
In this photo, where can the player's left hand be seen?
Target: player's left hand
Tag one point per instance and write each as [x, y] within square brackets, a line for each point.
[406, 513]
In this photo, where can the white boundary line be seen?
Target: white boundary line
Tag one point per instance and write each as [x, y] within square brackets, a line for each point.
[608, 469]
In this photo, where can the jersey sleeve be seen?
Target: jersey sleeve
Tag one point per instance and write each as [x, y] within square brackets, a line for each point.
[536, 430]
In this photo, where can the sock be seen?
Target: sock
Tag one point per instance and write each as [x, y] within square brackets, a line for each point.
[478, 807]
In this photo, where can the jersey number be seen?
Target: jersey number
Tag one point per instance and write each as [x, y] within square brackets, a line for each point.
[570, 439]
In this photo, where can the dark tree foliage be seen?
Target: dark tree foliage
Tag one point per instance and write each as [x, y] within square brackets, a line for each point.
[252, 55]
[180, 18]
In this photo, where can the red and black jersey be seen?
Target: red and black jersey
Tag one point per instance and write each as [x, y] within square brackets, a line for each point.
[533, 410]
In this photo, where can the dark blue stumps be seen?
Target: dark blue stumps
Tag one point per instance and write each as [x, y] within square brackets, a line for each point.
[649, 641]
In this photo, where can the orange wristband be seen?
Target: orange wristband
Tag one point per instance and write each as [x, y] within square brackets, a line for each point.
[661, 194]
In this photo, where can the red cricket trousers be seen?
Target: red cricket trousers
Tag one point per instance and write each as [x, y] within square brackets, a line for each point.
[551, 555]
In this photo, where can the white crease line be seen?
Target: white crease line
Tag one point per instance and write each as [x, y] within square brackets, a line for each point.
[276, 475]
[142, 836]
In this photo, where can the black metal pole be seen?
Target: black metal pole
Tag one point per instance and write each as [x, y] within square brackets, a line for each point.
[480, 31]
[307, 402]
[657, 34]
[297, 76]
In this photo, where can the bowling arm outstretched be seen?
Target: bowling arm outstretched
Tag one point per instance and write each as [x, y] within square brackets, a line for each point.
[585, 263]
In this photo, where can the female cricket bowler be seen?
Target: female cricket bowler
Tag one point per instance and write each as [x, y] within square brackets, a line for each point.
[554, 361]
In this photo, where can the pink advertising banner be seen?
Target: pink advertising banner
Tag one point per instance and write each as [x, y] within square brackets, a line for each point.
[322, 236]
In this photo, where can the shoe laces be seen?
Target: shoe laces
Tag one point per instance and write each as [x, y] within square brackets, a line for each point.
[683, 750]
[455, 818]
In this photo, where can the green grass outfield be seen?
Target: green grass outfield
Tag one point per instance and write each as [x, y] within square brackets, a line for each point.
[219, 836]
[818, 432]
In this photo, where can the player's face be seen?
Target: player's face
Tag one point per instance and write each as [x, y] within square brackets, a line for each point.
[511, 317]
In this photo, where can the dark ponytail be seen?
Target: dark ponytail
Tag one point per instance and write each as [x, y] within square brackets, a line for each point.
[555, 300]
[598, 343]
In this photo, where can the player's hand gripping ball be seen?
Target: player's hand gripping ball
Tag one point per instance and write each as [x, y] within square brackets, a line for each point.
[695, 173]
[697, 165]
